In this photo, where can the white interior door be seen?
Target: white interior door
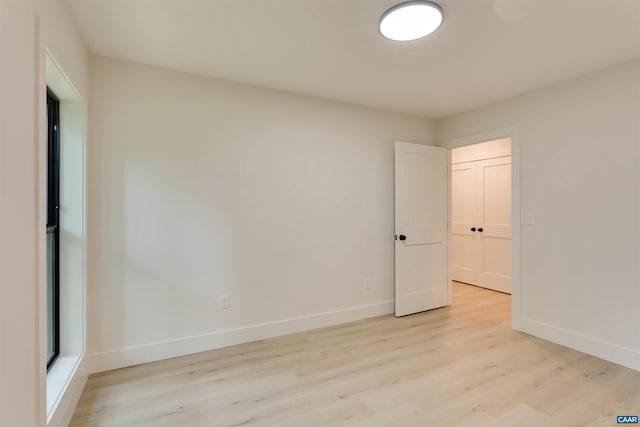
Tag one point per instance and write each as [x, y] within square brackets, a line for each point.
[421, 228]
[481, 223]
[495, 222]
[464, 222]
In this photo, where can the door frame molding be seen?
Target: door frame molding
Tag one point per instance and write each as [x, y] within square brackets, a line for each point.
[514, 133]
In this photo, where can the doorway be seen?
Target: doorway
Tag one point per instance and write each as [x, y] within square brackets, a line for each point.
[480, 204]
[423, 236]
[513, 134]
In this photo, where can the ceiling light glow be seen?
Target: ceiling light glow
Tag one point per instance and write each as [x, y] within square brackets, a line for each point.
[411, 20]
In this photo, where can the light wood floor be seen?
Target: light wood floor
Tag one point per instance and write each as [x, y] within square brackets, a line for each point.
[456, 366]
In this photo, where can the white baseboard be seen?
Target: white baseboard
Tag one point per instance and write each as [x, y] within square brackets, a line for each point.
[624, 356]
[63, 409]
[194, 344]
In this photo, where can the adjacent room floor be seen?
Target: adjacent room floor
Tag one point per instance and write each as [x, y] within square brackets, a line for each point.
[456, 366]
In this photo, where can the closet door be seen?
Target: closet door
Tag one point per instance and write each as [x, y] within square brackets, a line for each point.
[494, 215]
[464, 219]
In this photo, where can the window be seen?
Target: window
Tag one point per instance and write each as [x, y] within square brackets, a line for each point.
[53, 227]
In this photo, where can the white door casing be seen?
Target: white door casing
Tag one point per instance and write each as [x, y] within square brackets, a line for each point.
[421, 209]
[513, 134]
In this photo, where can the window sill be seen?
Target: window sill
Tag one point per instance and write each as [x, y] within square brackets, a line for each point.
[58, 379]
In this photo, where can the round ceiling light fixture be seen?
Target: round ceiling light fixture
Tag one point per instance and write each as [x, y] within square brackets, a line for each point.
[410, 20]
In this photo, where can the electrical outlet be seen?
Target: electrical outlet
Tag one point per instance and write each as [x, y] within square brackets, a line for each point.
[367, 284]
[223, 302]
[531, 218]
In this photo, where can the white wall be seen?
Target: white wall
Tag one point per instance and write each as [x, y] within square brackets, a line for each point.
[580, 174]
[27, 29]
[201, 187]
[63, 40]
[69, 77]
[481, 151]
[20, 377]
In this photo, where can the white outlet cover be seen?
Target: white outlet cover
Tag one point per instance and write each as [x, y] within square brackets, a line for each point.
[531, 218]
[224, 302]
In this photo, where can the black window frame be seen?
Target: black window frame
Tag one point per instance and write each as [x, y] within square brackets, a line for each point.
[53, 216]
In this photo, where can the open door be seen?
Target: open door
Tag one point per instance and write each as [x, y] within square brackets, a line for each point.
[421, 198]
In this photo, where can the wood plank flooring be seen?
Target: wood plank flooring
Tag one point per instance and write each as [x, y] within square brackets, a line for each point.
[457, 366]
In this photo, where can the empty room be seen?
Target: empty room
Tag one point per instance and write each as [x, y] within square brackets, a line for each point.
[319, 213]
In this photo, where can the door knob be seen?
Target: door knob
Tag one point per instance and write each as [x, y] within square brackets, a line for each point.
[473, 229]
[480, 229]
[402, 237]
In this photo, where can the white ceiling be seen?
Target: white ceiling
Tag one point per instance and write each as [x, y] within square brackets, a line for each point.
[486, 50]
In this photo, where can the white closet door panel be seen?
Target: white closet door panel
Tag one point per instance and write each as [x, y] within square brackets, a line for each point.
[496, 265]
[495, 209]
[464, 216]
[463, 259]
[495, 219]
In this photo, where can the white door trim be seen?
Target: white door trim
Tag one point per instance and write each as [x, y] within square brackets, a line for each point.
[514, 133]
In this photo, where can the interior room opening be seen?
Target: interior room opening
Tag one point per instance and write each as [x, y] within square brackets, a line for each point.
[481, 211]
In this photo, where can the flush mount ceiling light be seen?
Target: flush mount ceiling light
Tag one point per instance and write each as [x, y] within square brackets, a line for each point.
[410, 20]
